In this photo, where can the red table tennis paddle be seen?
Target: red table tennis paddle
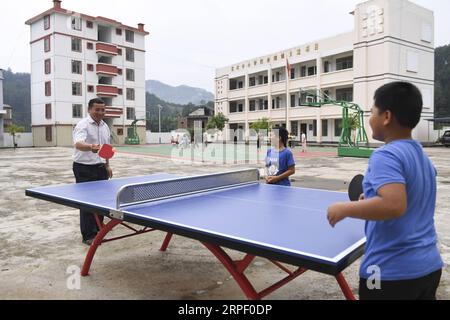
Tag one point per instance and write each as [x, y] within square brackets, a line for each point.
[355, 189]
[106, 151]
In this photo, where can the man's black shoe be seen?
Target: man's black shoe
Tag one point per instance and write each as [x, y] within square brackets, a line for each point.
[88, 241]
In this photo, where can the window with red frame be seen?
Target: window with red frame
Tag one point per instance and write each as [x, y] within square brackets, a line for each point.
[46, 22]
[48, 89]
[47, 46]
[48, 66]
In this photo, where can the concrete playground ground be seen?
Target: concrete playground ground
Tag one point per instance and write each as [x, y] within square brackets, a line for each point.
[41, 250]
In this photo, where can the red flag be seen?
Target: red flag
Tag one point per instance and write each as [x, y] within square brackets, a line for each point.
[288, 67]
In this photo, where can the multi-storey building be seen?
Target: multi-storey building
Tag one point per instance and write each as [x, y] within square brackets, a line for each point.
[393, 40]
[77, 57]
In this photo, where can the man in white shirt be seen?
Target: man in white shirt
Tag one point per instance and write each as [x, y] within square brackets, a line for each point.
[89, 134]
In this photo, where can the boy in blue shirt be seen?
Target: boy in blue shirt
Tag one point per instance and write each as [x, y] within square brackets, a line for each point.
[401, 259]
[280, 162]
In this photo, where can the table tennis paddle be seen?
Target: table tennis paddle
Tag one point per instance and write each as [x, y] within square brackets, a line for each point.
[106, 151]
[355, 189]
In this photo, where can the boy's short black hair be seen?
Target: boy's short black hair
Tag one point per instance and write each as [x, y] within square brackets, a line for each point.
[95, 101]
[403, 99]
[283, 135]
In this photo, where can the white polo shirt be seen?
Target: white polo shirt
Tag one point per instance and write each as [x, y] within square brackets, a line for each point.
[88, 131]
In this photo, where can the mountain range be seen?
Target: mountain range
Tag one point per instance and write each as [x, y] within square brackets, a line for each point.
[180, 95]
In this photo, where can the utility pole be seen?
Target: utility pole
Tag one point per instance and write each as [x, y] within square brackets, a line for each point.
[160, 108]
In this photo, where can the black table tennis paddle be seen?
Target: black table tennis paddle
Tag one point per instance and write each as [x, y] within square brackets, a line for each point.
[355, 189]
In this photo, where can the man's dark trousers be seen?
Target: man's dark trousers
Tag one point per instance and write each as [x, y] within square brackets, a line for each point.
[86, 173]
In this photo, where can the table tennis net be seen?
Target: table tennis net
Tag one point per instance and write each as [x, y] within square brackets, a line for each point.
[159, 190]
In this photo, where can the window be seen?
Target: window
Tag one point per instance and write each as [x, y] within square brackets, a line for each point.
[118, 31]
[47, 46]
[260, 79]
[47, 22]
[77, 111]
[76, 23]
[412, 64]
[292, 73]
[252, 105]
[303, 71]
[337, 127]
[76, 88]
[315, 128]
[345, 94]
[130, 75]
[427, 32]
[76, 67]
[89, 24]
[48, 66]
[252, 82]
[48, 133]
[76, 44]
[312, 71]
[130, 55]
[130, 94]
[129, 36]
[90, 67]
[266, 79]
[324, 128]
[130, 114]
[326, 66]
[90, 46]
[48, 89]
[292, 100]
[90, 88]
[120, 131]
[233, 84]
[48, 111]
[344, 63]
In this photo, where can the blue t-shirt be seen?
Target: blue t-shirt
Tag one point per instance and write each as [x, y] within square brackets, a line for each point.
[404, 248]
[278, 163]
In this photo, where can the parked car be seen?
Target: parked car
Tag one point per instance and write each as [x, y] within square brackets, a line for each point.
[446, 139]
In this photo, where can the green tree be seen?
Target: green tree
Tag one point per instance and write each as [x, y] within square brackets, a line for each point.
[13, 130]
[261, 124]
[217, 122]
[353, 125]
[442, 82]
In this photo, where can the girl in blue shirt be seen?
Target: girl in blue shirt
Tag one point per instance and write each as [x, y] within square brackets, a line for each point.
[280, 162]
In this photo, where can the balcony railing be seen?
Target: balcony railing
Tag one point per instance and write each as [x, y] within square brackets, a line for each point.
[107, 91]
[113, 112]
[105, 49]
[107, 70]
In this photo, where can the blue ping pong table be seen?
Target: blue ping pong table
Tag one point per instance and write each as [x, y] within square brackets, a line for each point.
[232, 210]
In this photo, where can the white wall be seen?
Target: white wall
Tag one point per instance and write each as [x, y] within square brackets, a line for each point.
[22, 139]
[154, 137]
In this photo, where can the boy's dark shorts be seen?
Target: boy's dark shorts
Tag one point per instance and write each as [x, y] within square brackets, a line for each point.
[416, 289]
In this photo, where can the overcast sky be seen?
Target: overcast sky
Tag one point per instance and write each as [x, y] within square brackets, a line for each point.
[189, 39]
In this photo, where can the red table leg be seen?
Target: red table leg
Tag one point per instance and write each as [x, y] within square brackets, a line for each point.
[97, 241]
[344, 287]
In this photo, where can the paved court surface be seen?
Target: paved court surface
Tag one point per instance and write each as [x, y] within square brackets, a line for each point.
[40, 242]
